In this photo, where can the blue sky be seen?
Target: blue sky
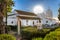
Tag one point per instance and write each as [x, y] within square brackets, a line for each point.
[27, 5]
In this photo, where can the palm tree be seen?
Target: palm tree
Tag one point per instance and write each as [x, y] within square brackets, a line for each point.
[5, 6]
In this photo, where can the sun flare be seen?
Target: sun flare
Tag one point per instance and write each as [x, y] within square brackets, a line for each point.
[38, 9]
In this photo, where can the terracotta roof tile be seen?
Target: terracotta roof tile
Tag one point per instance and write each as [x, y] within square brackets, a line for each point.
[25, 13]
[24, 17]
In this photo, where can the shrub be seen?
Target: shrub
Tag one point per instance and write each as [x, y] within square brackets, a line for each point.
[7, 37]
[55, 35]
[50, 36]
[31, 32]
[37, 38]
[13, 28]
[7, 29]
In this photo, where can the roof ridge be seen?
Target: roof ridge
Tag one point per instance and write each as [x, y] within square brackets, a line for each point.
[26, 13]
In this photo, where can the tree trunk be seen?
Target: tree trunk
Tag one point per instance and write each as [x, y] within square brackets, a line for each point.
[2, 27]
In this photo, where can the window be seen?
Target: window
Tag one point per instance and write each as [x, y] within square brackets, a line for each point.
[46, 21]
[12, 22]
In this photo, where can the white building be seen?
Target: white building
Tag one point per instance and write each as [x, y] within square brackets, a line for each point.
[49, 13]
[27, 18]
[47, 17]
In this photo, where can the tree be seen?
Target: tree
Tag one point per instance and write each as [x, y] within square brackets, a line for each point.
[59, 14]
[5, 6]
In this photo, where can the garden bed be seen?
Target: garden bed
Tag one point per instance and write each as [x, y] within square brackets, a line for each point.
[31, 32]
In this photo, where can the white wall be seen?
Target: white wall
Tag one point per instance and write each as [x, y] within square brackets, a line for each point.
[9, 21]
[23, 22]
[30, 22]
[43, 21]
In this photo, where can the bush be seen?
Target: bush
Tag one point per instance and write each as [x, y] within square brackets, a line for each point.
[50, 36]
[31, 32]
[37, 38]
[13, 28]
[7, 37]
[7, 29]
[55, 35]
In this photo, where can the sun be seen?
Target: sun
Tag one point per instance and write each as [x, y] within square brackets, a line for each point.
[38, 9]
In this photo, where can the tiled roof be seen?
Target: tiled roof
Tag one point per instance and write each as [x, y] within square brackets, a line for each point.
[24, 17]
[25, 13]
[11, 14]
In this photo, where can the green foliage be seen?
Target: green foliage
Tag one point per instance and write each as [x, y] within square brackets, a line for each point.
[50, 36]
[7, 37]
[34, 29]
[10, 3]
[31, 32]
[37, 38]
[8, 28]
[59, 14]
[6, 5]
[13, 28]
[55, 35]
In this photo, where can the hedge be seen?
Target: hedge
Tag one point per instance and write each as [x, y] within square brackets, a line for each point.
[7, 37]
[31, 32]
[55, 35]
[37, 38]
